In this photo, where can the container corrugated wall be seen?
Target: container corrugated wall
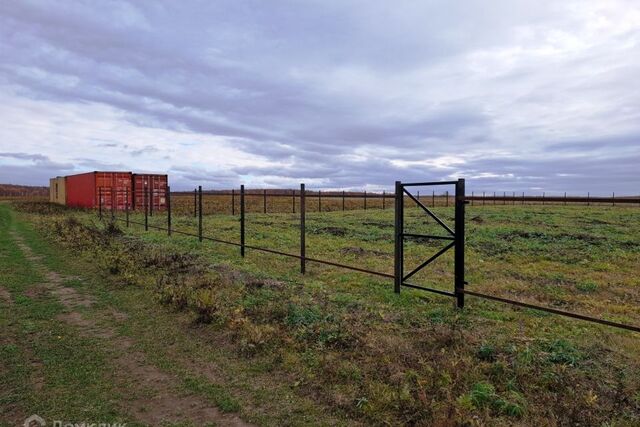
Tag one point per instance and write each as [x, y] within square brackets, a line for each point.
[157, 187]
[86, 190]
[115, 188]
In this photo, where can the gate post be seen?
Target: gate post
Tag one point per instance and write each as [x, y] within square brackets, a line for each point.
[200, 213]
[242, 220]
[146, 208]
[303, 244]
[127, 205]
[398, 228]
[168, 205]
[459, 244]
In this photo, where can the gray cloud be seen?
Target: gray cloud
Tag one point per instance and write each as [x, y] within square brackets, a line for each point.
[517, 95]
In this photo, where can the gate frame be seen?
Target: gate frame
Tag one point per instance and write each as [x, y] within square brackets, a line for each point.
[456, 236]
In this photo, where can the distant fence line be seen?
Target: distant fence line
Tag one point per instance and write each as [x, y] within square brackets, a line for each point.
[342, 200]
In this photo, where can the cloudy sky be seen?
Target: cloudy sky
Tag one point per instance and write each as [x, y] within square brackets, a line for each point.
[512, 95]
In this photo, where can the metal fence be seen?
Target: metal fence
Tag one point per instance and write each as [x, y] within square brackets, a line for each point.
[511, 198]
[401, 197]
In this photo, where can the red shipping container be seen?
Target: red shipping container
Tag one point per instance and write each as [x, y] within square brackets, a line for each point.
[85, 190]
[156, 185]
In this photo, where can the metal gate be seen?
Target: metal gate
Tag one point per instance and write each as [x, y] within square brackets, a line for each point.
[454, 237]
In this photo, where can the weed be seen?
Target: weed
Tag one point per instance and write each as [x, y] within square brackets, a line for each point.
[587, 287]
[487, 352]
[562, 352]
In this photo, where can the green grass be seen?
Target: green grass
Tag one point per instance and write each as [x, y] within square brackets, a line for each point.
[334, 345]
[46, 367]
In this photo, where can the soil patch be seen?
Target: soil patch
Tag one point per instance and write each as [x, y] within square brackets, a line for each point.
[5, 296]
[356, 250]
[379, 224]
[335, 231]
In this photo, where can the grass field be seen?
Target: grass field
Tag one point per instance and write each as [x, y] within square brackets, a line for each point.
[339, 347]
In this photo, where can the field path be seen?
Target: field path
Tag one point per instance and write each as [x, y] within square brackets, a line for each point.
[155, 397]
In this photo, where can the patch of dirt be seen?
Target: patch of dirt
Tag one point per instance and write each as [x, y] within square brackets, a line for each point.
[69, 297]
[356, 250]
[5, 296]
[379, 224]
[265, 283]
[335, 231]
[26, 250]
[119, 316]
[477, 219]
[166, 405]
[230, 273]
[87, 327]
[34, 292]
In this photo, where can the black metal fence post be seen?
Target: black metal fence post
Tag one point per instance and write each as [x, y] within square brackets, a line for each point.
[146, 208]
[168, 203]
[264, 201]
[588, 201]
[319, 201]
[472, 198]
[343, 200]
[459, 243]
[233, 201]
[113, 199]
[399, 239]
[447, 198]
[613, 199]
[365, 200]
[565, 198]
[100, 203]
[303, 245]
[151, 192]
[242, 220]
[483, 198]
[293, 201]
[433, 198]
[384, 196]
[127, 207]
[200, 213]
[195, 202]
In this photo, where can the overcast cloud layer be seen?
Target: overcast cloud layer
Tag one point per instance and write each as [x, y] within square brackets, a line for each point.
[512, 95]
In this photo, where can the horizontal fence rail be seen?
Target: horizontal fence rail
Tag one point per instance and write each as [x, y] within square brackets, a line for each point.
[196, 199]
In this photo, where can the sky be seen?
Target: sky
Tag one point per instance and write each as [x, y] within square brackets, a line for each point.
[534, 96]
